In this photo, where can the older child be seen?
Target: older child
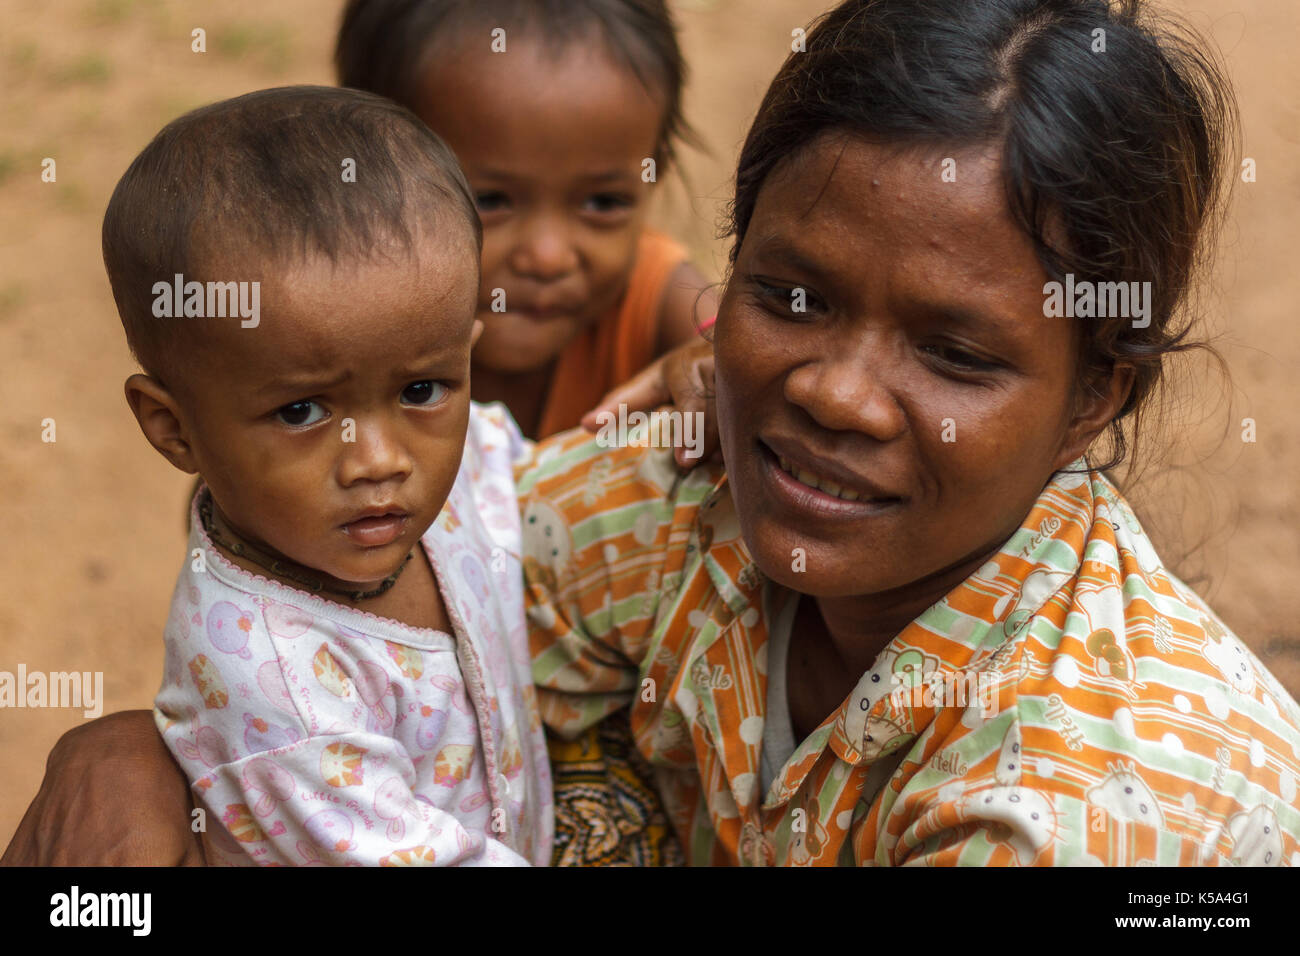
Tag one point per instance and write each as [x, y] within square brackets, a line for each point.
[562, 115]
[347, 677]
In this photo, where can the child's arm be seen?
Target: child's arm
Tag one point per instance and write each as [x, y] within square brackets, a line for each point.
[337, 800]
[689, 301]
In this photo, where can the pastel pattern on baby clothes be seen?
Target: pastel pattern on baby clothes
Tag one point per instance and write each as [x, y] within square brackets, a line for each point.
[317, 734]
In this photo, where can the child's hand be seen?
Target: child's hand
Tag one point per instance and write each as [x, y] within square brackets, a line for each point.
[683, 377]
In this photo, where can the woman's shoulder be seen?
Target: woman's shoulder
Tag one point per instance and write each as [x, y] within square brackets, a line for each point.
[590, 499]
[1111, 668]
[630, 459]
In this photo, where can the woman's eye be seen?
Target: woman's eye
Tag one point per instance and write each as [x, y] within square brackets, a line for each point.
[423, 393]
[492, 201]
[300, 413]
[959, 359]
[607, 203]
[791, 301]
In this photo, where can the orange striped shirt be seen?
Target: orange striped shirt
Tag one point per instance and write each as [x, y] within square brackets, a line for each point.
[1072, 702]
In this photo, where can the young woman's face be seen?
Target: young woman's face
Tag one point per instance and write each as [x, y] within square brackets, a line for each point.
[904, 422]
[553, 145]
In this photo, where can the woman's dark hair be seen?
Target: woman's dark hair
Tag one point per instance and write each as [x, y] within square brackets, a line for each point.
[383, 45]
[1114, 136]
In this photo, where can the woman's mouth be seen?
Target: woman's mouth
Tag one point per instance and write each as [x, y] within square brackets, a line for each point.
[805, 490]
[816, 481]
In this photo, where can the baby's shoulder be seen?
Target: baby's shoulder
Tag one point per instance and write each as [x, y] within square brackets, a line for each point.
[493, 435]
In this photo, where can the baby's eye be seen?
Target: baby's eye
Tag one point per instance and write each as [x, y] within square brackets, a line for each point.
[423, 393]
[491, 201]
[300, 413]
[605, 204]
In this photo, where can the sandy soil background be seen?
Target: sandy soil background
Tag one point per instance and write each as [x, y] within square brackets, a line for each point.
[91, 524]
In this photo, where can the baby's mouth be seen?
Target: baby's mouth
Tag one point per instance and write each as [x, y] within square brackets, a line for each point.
[375, 531]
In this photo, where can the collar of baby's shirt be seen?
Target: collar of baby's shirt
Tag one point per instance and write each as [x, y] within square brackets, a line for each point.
[206, 567]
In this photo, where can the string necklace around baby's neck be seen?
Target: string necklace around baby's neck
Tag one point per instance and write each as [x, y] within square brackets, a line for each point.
[220, 532]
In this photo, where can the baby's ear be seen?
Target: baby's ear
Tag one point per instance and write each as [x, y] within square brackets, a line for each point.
[475, 331]
[158, 413]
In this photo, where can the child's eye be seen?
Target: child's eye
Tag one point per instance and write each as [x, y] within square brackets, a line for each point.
[423, 393]
[491, 201]
[605, 204]
[300, 413]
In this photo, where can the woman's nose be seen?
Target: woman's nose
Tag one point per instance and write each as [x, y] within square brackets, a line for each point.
[372, 452]
[849, 390]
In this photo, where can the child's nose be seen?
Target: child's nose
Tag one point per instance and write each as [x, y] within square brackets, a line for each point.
[375, 455]
[544, 250]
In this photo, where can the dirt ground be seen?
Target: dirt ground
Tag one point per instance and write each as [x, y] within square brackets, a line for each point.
[91, 523]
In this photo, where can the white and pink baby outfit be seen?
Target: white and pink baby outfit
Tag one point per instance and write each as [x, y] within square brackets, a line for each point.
[315, 733]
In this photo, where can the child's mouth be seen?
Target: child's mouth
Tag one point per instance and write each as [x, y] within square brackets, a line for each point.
[543, 315]
[376, 531]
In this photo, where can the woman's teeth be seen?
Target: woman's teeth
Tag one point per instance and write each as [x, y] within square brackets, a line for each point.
[821, 484]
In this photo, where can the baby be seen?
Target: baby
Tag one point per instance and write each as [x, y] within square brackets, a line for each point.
[347, 676]
[564, 116]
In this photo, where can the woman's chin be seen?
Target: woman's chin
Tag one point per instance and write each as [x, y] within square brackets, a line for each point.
[818, 569]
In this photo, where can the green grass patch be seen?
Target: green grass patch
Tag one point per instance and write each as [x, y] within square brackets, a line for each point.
[91, 70]
[268, 45]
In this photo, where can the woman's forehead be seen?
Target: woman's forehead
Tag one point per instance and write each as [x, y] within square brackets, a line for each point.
[925, 183]
[934, 217]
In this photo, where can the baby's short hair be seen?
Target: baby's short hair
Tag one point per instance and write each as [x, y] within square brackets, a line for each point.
[279, 175]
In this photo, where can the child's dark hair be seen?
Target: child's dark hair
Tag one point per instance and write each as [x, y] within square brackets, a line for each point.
[263, 175]
[1113, 162]
[383, 45]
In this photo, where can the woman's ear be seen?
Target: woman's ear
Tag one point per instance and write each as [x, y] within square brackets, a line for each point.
[1099, 400]
[475, 331]
[158, 413]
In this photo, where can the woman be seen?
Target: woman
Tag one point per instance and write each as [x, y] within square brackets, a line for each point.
[913, 621]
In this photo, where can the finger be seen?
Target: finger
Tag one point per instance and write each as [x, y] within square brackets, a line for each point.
[643, 391]
[712, 441]
[698, 400]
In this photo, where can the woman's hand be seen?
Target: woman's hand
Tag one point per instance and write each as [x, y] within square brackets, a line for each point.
[112, 796]
[683, 377]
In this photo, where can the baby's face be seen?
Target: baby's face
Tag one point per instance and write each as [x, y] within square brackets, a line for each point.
[554, 149]
[332, 432]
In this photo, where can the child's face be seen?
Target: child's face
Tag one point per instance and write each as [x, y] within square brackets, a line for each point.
[553, 147]
[333, 431]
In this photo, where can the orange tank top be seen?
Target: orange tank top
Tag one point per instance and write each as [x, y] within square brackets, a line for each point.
[617, 346]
